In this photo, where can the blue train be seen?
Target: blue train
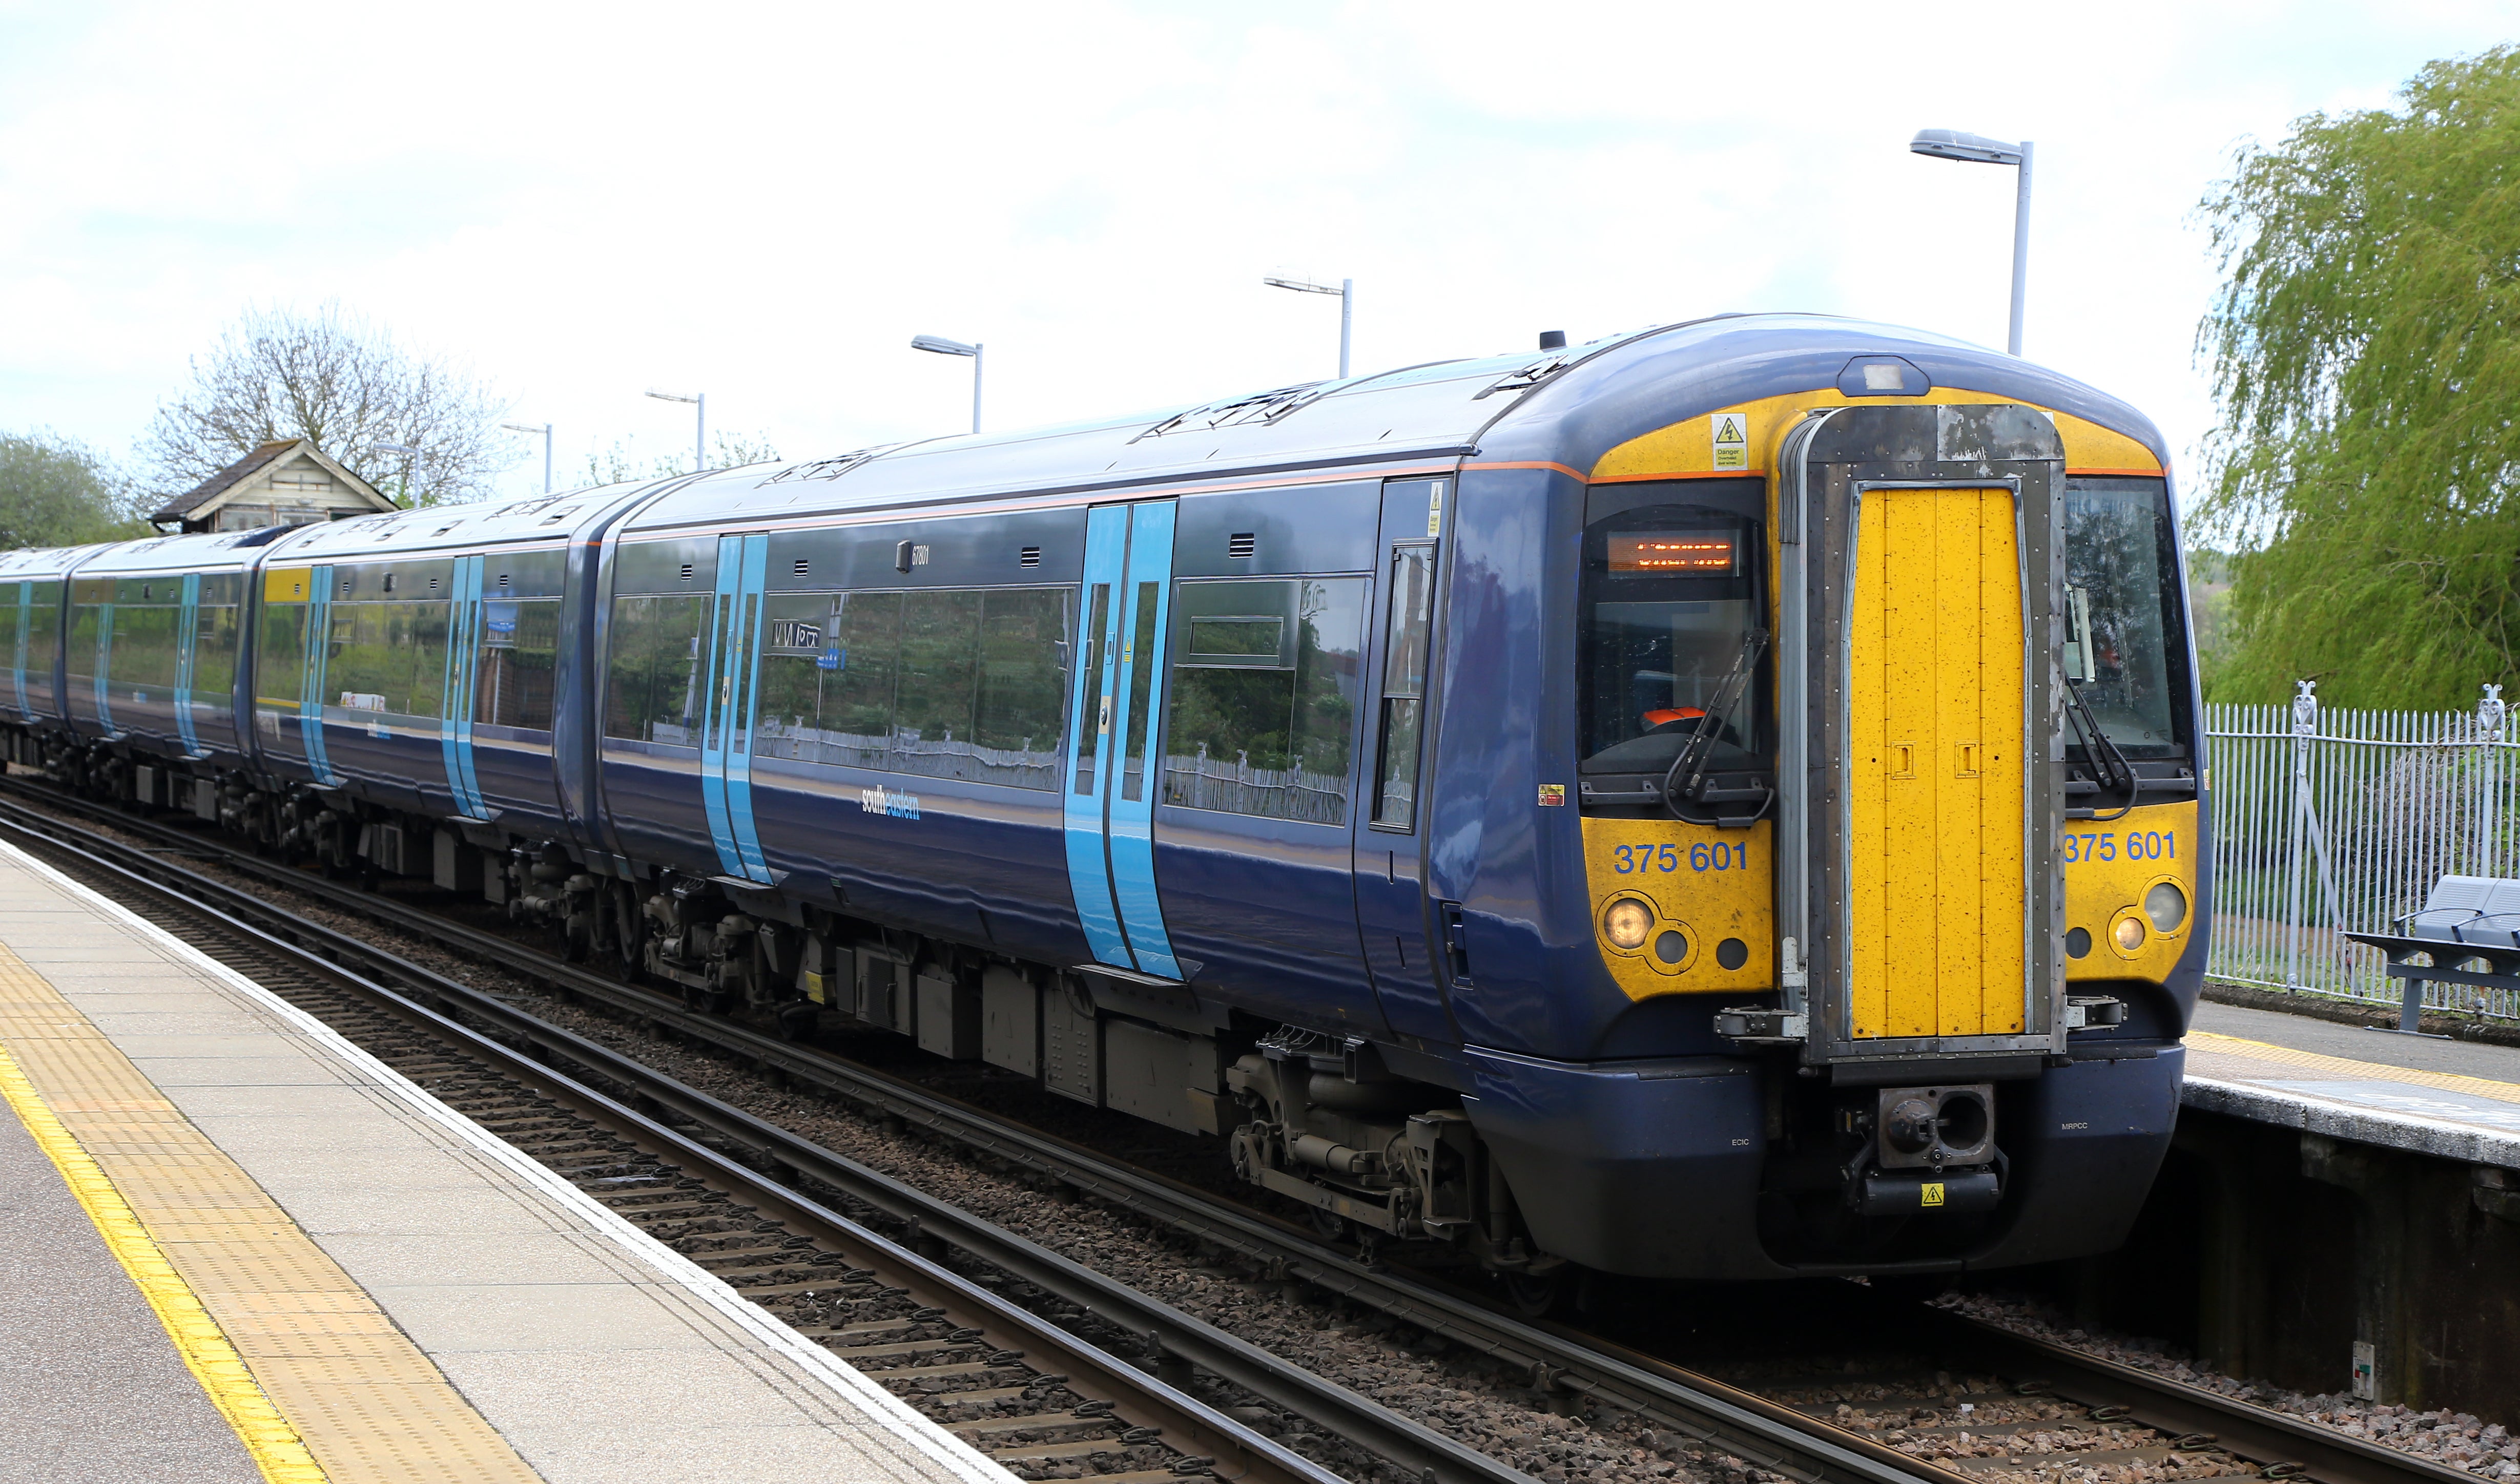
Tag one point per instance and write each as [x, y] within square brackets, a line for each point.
[1721, 802]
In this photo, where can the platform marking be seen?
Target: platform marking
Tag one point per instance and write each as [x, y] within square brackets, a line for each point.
[2239, 1047]
[214, 1363]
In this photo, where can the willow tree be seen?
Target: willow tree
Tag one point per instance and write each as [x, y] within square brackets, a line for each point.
[2365, 352]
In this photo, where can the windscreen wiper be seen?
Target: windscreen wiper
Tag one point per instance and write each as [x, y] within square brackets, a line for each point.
[2105, 761]
[1700, 746]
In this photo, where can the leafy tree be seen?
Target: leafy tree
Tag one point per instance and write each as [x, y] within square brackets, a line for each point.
[2365, 351]
[58, 492]
[337, 378]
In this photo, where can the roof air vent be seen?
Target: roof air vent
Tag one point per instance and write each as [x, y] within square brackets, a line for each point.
[1030, 556]
[1259, 407]
[1242, 546]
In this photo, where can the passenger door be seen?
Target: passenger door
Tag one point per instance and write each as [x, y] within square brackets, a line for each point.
[726, 730]
[1394, 918]
[463, 674]
[1112, 734]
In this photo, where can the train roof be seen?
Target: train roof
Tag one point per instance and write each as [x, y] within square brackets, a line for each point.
[44, 560]
[1564, 406]
[192, 552]
[462, 528]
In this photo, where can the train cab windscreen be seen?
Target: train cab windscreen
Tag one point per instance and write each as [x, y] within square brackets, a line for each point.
[2126, 643]
[1673, 641]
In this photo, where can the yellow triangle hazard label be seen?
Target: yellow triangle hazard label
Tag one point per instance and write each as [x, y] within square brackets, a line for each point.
[1727, 431]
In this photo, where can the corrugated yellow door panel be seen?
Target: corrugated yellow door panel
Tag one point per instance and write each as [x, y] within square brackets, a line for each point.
[1935, 701]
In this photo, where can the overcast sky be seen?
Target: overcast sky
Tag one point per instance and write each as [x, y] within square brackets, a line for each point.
[765, 203]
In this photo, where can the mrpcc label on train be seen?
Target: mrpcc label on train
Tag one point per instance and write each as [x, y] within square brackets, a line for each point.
[1731, 439]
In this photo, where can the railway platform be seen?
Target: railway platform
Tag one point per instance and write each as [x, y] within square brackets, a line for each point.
[232, 1246]
[2451, 1100]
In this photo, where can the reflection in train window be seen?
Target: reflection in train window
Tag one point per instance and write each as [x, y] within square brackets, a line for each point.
[1265, 677]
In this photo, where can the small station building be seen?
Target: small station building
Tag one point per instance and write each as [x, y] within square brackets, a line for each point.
[285, 482]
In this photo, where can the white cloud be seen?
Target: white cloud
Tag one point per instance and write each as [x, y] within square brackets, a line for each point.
[765, 201]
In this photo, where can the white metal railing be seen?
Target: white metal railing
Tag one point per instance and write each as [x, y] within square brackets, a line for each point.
[2328, 822]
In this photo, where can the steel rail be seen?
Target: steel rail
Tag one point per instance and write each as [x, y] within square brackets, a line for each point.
[527, 1046]
[1734, 1420]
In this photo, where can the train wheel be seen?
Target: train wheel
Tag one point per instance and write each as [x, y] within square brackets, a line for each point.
[1536, 1295]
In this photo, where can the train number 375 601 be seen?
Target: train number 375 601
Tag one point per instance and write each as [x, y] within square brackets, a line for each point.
[2133, 845]
[1705, 855]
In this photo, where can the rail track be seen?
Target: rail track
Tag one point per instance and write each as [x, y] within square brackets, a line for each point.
[1990, 1405]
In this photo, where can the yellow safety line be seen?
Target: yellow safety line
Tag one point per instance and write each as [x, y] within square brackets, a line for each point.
[2239, 1048]
[273, 1444]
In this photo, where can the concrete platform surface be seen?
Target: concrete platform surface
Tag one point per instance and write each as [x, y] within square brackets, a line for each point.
[234, 1247]
[2455, 1099]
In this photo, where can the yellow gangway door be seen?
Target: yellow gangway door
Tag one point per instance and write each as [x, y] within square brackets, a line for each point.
[1936, 702]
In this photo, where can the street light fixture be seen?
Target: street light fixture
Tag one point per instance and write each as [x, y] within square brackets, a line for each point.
[699, 459]
[943, 346]
[1346, 292]
[546, 431]
[410, 456]
[1978, 150]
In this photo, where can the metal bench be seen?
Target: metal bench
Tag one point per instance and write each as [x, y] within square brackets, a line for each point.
[2464, 920]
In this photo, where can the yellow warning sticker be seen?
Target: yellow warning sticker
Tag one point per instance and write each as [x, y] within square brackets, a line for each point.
[1553, 795]
[1732, 437]
[1933, 1190]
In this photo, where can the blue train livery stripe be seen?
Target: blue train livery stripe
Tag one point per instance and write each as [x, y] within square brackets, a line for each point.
[319, 648]
[746, 648]
[477, 806]
[1088, 779]
[104, 664]
[188, 629]
[18, 658]
[714, 708]
[1130, 821]
[463, 675]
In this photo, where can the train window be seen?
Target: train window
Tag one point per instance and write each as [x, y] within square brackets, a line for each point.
[1089, 746]
[858, 695]
[140, 653]
[1254, 732]
[1023, 687]
[1142, 688]
[43, 633]
[1412, 599]
[280, 655]
[214, 654]
[9, 628]
[87, 621]
[933, 709]
[653, 669]
[387, 657]
[1672, 627]
[511, 674]
[2126, 641]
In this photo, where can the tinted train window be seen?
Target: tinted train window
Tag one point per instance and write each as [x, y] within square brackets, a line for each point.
[387, 657]
[280, 655]
[1671, 621]
[954, 683]
[1265, 678]
[86, 621]
[43, 633]
[1412, 599]
[141, 654]
[214, 655]
[654, 675]
[2126, 645]
[511, 675]
[9, 626]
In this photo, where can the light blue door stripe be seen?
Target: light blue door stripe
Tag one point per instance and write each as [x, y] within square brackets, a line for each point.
[17, 661]
[749, 608]
[104, 662]
[1132, 821]
[463, 681]
[188, 633]
[319, 652]
[715, 707]
[1089, 712]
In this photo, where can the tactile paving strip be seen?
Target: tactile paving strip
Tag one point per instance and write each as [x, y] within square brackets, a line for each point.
[2212, 1054]
[360, 1396]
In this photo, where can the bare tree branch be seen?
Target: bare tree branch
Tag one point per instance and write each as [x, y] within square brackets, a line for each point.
[341, 382]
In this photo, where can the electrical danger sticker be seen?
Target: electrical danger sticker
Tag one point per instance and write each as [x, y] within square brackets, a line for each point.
[1931, 1193]
[1731, 439]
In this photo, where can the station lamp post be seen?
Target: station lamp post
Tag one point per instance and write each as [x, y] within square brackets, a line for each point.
[546, 431]
[1978, 150]
[699, 461]
[410, 457]
[1346, 292]
[943, 346]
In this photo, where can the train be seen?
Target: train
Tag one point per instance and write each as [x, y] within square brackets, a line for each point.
[1716, 802]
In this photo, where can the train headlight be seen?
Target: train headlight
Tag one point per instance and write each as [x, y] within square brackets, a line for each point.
[2166, 904]
[2129, 933]
[1626, 922]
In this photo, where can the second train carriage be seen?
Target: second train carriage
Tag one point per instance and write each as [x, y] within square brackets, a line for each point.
[1716, 802]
